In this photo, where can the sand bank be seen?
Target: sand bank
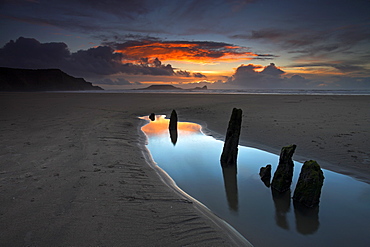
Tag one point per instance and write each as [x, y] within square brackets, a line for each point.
[74, 171]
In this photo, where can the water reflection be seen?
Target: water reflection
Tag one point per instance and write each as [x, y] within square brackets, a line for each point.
[246, 203]
[161, 124]
[307, 219]
[173, 136]
[231, 186]
[265, 174]
[282, 207]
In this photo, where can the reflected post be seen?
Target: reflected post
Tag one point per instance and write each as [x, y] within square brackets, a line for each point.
[231, 187]
[306, 218]
[282, 207]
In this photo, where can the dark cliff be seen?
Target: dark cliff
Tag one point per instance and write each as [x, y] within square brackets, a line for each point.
[41, 80]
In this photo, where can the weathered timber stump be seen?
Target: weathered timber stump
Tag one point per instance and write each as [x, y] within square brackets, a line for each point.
[152, 116]
[310, 182]
[173, 127]
[230, 150]
[265, 174]
[173, 121]
[284, 173]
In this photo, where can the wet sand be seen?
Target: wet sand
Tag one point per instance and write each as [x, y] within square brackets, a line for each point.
[74, 168]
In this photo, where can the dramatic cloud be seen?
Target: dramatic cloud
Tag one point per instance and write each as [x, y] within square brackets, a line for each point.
[122, 16]
[29, 53]
[135, 38]
[247, 76]
[354, 68]
[101, 60]
[184, 73]
[185, 51]
[311, 42]
[199, 75]
[251, 76]
[293, 41]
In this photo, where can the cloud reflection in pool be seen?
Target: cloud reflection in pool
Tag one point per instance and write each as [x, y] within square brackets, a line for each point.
[264, 217]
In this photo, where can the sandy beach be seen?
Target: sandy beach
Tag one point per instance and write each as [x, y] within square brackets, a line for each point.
[74, 169]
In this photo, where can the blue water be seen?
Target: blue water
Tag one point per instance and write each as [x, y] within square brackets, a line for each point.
[244, 201]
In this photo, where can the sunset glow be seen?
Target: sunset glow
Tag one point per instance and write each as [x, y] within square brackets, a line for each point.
[190, 52]
[315, 71]
[227, 44]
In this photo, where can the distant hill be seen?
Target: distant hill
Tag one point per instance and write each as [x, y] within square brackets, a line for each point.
[200, 88]
[170, 87]
[41, 80]
[161, 87]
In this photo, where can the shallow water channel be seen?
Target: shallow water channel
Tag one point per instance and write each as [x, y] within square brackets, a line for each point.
[239, 196]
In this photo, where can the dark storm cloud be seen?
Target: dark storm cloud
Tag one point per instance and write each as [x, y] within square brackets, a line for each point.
[265, 56]
[312, 41]
[111, 40]
[291, 39]
[345, 67]
[199, 75]
[184, 73]
[247, 76]
[81, 15]
[348, 68]
[26, 52]
[101, 60]
[107, 17]
[121, 8]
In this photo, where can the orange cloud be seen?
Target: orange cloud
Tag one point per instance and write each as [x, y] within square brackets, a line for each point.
[184, 51]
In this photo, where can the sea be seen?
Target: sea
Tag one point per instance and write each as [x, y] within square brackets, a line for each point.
[236, 91]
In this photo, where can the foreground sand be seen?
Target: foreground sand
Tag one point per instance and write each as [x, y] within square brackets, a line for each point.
[74, 170]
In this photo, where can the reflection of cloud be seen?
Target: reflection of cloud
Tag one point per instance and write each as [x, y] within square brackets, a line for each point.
[160, 126]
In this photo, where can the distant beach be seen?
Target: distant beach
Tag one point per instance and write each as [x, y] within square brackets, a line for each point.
[75, 172]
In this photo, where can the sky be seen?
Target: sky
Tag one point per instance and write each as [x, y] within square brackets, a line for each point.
[234, 44]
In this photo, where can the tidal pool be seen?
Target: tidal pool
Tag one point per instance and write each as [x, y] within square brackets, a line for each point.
[262, 216]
